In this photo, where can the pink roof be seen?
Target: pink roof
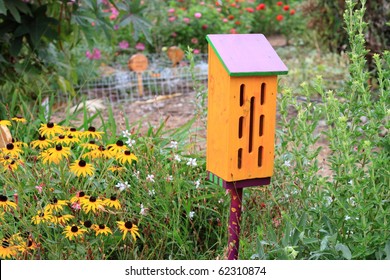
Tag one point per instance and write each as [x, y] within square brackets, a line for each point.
[247, 54]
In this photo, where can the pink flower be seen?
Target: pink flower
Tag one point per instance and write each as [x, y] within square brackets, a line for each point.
[174, 34]
[123, 45]
[140, 46]
[116, 27]
[39, 187]
[196, 51]
[225, 20]
[250, 10]
[186, 20]
[96, 54]
[114, 13]
[171, 10]
[194, 40]
[233, 31]
[197, 15]
[76, 205]
[171, 19]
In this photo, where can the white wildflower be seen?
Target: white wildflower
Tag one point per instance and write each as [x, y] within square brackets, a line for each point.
[197, 184]
[192, 162]
[347, 218]
[126, 133]
[130, 142]
[169, 178]
[173, 145]
[191, 215]
[144, 211]
[328, 200]
[150, 178]
[152, 192]
[136, 174]
[122, 186]
[177, 158]
[287, 163]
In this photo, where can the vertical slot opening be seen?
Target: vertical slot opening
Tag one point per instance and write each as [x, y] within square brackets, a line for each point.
[239, 158]
[240, 127]
[260, 156]
[262, 94]
[261, 125]
[242, 88]
[251, 124]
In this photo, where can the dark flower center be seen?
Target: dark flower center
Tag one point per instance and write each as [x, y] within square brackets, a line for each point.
[127, 153]
[82, 163]
[128, 225]
[113, 198]
[29, 243]
[58, 147]
[92, 129]
[101, 148]
[92, 199]
[81, 194]
[55, 200]
[12, 162]
[102, 226]
[10, 146]
[91, 142]
[70, 136]
[61, 136]
[74, 229]
[88, 224]
[42, 214]
[73, 129]
[3, 198]
[119, 143]
[50, 125]
[41, 138]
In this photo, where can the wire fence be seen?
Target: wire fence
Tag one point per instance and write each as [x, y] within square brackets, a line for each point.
[161, 78]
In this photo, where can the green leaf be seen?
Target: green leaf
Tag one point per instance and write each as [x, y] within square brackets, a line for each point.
[14, 12]
[344, 250]
[387, 250]
[16, 46]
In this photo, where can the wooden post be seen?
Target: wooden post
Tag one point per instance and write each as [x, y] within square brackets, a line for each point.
[5, 136]
[234, 223]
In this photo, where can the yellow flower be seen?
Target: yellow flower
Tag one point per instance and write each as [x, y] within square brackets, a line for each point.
[126, 227]
[115, 168]
[112, 202]
[61, 219]
[5, 123]
[50, 129]
[79, 197]
[117, 148]
[81, 168]
[11, 164]
[56, 205]
[65, 140]
[102, 229]
[7, 250]
[19, 119]
[92, 204]
[41, 143]
[73, 231]
[91, 145]
[126, 156]
[6, 204]
[42, 217]
[12, 150]
[92, 133]
[55, 155]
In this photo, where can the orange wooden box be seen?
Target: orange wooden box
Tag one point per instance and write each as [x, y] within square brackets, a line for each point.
[242, 88]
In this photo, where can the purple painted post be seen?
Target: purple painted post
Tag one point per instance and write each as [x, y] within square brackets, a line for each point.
[234, 223]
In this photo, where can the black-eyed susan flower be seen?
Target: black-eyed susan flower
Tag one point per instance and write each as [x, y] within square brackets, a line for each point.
[41, 143]
[73, 231]
[92, 133]
[6, 204]
[19, 119]
[7, 250]
[128, 226]
[116, 168]
[88, 224]
[50, 129]
[59, 152]
[117, 148]
[61, 218]
[61, 140]
[11, 165]
[112, 202]
[42, 217]
[126, 156]
[12, 150]
[90, 145]
[56, 205]
[26, 245]
[82, 168]
[5, 123]
[102, 229]
[92, 204]
[79, 197]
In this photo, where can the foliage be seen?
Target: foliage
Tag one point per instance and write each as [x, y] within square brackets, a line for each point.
[338, 207]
